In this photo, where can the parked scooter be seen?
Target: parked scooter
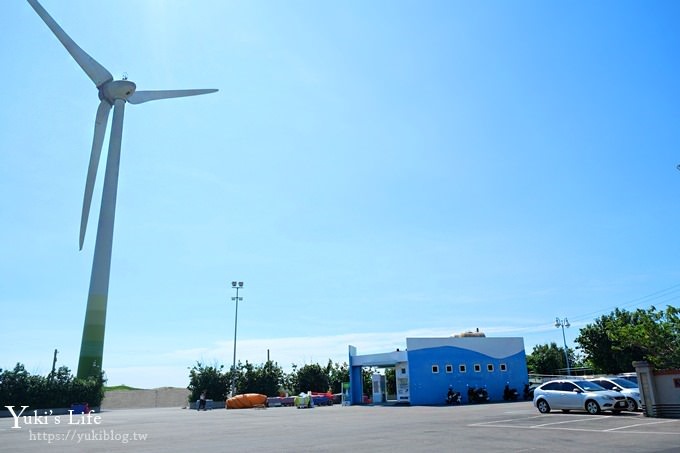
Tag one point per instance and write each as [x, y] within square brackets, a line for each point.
[510, 394]
[477, 394]
[527, 392]
[453, 397]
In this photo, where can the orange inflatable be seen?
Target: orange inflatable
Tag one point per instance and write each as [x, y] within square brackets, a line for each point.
[247, 401]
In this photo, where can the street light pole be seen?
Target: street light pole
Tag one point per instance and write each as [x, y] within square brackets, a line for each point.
[564, 323]
[237, 286]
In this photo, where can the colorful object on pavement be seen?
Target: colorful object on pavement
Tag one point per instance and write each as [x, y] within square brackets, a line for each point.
[247, 401]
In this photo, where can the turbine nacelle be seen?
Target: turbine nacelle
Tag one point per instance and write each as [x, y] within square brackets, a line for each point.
[116, 89]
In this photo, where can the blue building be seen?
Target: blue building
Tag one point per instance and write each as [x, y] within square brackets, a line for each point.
[428, 366]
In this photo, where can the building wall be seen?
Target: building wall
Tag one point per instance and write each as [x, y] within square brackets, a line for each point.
[459, 362]
[132, 399]
[668, 386]
[660, 390]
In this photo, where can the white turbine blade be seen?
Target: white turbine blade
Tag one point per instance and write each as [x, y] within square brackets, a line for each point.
[99, 130]
[96, 72]
[145, 96]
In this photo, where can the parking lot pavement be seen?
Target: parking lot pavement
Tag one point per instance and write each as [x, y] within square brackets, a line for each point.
[500, 427]
[629, 423]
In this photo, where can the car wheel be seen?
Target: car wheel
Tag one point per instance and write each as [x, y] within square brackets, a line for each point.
[543, 406]
[592, 407]
[632, 405]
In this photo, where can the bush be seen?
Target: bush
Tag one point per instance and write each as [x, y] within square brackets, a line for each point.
[60, 389]
[265, 379]
[312, 377]
[208, 378]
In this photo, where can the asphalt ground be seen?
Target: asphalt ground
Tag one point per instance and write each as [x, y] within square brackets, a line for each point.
[500, 427]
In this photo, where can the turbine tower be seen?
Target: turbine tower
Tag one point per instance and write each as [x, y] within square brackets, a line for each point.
[112, 93]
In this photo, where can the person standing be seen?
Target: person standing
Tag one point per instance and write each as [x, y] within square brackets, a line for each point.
[201, 401]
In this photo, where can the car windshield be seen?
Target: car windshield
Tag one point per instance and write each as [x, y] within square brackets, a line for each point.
[624, 383]
[589, 386]
[632, 379]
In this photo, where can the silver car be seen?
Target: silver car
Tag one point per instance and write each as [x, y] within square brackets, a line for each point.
[627, 388]
[632, 377]
[568, 395]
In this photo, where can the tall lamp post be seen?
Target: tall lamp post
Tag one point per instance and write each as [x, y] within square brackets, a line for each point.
[564, 323]
[236, 286]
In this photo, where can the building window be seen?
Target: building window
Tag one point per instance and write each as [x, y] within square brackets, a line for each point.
[403, 370]
[478, 368]
[489, 367]
[449, 368]
[504, 367]
[435, 369]
[462, 368]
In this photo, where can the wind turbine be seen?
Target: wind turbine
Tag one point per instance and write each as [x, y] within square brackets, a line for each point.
[112, 93]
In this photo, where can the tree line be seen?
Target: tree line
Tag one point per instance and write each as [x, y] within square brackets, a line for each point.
[60, 388]
[609, 345]
[269, 379]
[613, 342]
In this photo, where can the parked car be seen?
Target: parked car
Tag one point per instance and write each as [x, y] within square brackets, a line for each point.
[632, 377]
[570, 395]
[627, 388]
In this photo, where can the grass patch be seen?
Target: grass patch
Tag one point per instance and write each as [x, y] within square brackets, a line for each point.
[119, 387]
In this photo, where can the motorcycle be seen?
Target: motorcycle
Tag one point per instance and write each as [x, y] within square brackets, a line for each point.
[527, 394]
[453, 397]
[510, 394]
[477, 394]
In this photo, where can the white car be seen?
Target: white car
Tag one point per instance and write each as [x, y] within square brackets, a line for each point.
[632, 377]
[627, 388]
[568, 395]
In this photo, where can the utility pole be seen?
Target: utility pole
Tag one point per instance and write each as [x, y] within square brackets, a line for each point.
[54, 364]
[236, 286]
[564, 323]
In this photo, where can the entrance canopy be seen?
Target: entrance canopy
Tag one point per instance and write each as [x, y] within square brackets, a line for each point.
[356, 362]
[382, 360]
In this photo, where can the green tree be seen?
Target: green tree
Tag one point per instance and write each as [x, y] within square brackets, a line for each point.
[337, 374]
[654, 335]
[290, 381]
[89, 390]
[19, 388]
[265, 379]
[211, 379]
[14, 386]
[549, 359]
[391, 381]
[312, 378]
[367, 381]
[610, 344]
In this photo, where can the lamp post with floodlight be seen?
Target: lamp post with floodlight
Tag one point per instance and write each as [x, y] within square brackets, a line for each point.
[564, 323]
[236, 286]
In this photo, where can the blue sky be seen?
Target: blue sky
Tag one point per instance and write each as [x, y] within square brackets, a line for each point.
[370, 170]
